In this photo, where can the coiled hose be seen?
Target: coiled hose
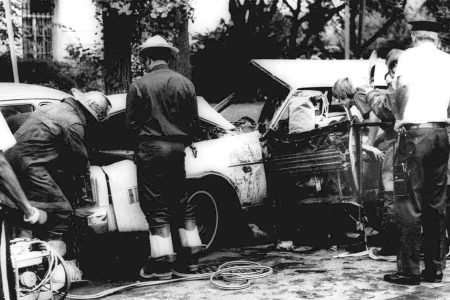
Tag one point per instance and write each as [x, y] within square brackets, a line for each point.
[234, 275]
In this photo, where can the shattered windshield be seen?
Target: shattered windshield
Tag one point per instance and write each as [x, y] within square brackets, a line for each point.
[256, 100]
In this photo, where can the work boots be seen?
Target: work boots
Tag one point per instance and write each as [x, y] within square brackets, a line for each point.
[158, 266]
[191, 248]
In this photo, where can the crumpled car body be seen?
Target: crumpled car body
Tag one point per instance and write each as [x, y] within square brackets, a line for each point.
[233, 169]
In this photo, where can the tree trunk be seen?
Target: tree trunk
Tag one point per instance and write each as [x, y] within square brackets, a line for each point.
[292, 40]
[117, 36]
[355, 51]
[183, 63]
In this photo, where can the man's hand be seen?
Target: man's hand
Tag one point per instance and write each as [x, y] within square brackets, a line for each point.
[374, 152]
[35, 216]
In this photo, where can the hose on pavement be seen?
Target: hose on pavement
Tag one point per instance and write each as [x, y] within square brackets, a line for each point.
[233, 275]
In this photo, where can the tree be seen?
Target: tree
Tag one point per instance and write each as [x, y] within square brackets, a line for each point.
[125, 22]
[391, 12]
[440, 9]
[15, 12]
[316, 14]
[220, 58]
[170, 19]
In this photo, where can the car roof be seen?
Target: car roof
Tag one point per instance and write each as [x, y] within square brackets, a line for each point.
[302, 73]
[18, 91]
[118, 103]
[205, 111]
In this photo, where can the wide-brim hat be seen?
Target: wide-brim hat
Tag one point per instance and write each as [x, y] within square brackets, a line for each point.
[96, 103]
[157, 41]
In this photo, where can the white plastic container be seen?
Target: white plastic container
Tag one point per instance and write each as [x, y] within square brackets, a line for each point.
[122, 180]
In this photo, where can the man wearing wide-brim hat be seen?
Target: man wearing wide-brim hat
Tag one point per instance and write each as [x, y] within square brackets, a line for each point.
[162, 114]
[422, 98]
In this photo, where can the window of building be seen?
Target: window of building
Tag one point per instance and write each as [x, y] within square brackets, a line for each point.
[37, 28]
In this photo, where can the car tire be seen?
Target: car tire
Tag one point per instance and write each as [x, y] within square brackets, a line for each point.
[207, 215]
[213, 212]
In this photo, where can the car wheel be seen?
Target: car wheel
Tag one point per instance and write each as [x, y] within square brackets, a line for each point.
[207, 214]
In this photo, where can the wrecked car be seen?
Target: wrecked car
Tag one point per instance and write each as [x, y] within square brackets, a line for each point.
[232, 170]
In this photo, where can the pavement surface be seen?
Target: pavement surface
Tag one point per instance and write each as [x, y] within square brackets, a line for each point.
[303, 273]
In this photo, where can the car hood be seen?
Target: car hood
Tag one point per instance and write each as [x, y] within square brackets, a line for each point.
[300, 74]
[205, 111]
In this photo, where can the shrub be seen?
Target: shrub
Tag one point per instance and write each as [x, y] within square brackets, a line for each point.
[42, 72]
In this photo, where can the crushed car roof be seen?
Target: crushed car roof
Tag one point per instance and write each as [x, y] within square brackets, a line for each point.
[299, 73]
[17, 91]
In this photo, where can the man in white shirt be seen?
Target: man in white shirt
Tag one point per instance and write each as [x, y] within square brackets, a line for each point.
[9, 185]
[421, 99]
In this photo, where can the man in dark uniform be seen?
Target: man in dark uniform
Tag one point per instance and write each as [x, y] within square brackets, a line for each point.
[11, 193]
[52, 139]
[162, 114]
[422, 97]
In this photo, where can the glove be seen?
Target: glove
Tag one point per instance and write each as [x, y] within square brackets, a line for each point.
[38, 217]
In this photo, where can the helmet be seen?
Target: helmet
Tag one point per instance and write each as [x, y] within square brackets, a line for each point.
[96, 103]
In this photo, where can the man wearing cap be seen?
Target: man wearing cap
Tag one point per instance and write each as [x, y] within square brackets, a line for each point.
[162, 113]
[50, 140]
[422, 97]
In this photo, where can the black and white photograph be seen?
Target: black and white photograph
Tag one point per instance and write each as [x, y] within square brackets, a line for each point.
[224, 149]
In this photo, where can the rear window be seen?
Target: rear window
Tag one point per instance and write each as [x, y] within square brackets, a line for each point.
[11, 110]
[15, 115]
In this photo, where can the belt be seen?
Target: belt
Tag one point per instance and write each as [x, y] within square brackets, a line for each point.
[425, 125]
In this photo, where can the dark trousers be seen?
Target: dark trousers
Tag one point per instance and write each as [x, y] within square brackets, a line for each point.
[427, 162]
[162, 183]
[44, 193]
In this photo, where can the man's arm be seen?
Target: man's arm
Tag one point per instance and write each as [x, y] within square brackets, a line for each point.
[134, 110]
[192, 111]
[74, 140]
[79, 160]
[373, 130]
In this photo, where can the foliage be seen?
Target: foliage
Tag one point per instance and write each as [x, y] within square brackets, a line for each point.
[221, 57]
[125, 24]
[42, 72]
[86, 69]
[15, 15]
[441, 10]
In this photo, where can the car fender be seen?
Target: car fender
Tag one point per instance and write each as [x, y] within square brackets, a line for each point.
[238, 159]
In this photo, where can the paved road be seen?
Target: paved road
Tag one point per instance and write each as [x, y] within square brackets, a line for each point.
[300, 274]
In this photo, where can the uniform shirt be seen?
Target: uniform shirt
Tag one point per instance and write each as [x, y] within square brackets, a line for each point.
[422, 85]
[163, 103]
[52, 136]
[6, 138]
